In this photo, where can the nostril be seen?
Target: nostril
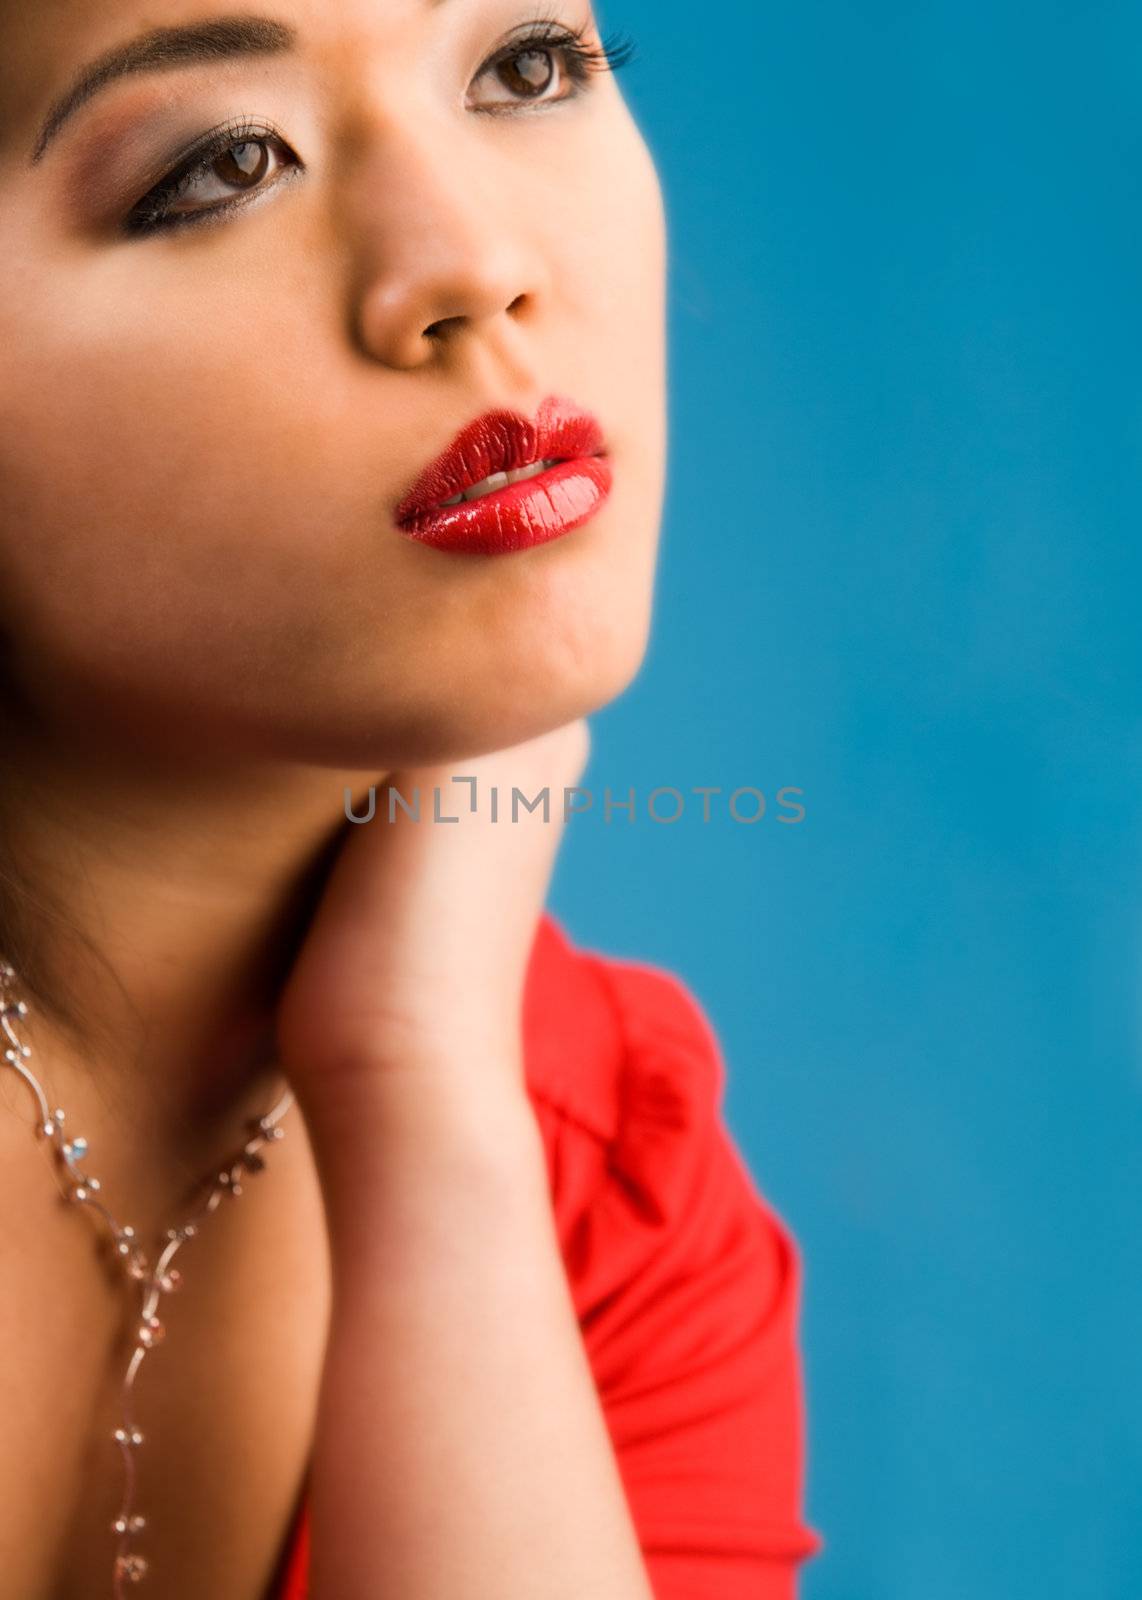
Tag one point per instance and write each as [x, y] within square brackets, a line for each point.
[444, 325]
[436, 330]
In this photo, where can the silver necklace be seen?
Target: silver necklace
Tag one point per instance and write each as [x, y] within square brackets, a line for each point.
[147, 1281]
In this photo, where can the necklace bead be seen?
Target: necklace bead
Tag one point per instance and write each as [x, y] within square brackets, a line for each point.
[129, 1566]
[151, 1333]
[133, 1568]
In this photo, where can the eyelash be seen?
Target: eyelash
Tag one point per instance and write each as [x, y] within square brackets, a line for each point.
[584, 58]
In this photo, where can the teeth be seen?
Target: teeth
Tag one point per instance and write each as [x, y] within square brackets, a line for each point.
[500, 480]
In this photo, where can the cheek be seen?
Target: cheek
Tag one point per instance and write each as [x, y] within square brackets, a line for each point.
[157, 481]
[613, 245]
[614, 309]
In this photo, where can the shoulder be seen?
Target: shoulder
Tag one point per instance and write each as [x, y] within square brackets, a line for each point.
[627, 1078]
[685, 1279]
[598, 1026]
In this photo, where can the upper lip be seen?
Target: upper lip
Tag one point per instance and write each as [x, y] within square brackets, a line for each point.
[502, 441]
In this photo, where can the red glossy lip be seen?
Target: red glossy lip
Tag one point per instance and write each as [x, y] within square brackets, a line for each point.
[519, 515]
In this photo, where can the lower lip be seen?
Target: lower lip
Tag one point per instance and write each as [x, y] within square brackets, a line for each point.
[520, 515]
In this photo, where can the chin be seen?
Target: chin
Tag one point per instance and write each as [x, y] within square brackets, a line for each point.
[504, 697]
[532, 709]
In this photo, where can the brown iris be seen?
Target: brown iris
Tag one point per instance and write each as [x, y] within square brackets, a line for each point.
[528, 73]
[243, 164]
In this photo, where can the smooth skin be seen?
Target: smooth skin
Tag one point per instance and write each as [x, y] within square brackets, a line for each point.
[209, 630]
[444, 1250]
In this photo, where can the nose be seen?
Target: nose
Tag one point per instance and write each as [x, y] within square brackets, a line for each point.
[447, 248]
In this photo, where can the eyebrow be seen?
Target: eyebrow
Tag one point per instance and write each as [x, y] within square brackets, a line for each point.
[160, 49]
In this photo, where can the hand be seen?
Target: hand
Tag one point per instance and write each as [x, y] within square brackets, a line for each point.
[416, 956]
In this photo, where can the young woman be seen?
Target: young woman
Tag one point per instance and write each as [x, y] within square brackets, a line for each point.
[331, 461]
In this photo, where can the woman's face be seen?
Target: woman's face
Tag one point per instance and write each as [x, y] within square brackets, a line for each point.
[205, 429]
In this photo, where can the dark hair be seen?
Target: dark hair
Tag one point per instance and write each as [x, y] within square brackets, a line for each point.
[30, 914]
[27, 916]
[33, 920]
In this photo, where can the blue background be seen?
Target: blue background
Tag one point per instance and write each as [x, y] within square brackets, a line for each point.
[901, 570]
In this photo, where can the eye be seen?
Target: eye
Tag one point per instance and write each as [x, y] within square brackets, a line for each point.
[545, 65]
[228, 168]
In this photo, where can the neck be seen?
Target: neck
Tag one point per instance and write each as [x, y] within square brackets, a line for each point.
[159, 914]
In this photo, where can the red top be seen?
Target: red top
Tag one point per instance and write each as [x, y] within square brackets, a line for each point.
[685, 1279]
